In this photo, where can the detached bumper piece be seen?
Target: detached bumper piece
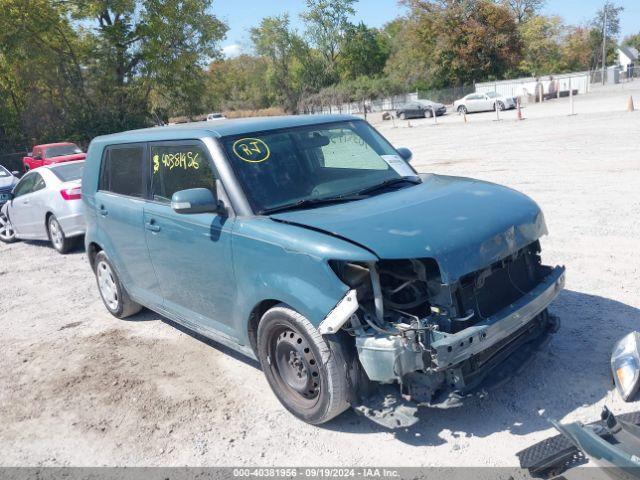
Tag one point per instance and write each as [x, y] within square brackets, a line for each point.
[612, 443]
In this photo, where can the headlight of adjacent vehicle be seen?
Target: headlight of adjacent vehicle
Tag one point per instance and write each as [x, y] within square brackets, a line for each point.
[625, 365]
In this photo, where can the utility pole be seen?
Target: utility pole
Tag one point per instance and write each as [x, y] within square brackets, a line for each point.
[604, 41]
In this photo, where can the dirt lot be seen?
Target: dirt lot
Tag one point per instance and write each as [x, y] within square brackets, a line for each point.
[78, 387]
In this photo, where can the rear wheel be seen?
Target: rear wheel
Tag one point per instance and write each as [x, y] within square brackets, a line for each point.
[58, 239]
[113, 294]
[7, 233]
[306, 373]
[462, 110]
[402, 116]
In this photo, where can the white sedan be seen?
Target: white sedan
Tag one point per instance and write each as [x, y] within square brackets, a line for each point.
[483, 102]
[46, 205]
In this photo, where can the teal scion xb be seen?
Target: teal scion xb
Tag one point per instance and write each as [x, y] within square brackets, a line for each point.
[311, 244]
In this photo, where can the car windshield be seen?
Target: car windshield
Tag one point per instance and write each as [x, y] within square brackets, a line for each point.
[61, 150]
[303, 165]
[4, 172]
[67, 172]
[492, 94]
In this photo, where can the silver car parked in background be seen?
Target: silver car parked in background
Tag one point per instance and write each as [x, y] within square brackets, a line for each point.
[46, 205]
[483, 102]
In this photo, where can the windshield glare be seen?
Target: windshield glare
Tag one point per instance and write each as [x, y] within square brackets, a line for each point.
[288, 166]
[61, 150]
[4, 172]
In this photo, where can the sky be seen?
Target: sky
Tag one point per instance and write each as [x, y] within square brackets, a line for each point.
[241, 15]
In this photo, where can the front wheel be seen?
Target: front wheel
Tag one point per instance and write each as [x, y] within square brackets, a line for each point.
[501, 106]
[7, 232]
[306, 373]
[402, 116]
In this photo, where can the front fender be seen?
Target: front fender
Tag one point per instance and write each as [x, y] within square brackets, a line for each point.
[289, 264]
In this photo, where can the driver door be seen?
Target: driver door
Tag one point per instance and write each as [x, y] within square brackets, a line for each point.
[18, 209]
[191, 253]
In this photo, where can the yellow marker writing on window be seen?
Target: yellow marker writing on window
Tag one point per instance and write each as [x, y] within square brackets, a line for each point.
[252, 150]
[156, 163]
[184, 160]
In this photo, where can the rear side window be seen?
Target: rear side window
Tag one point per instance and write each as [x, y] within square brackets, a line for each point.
[179, 167]
[123, 170]
[68, 172]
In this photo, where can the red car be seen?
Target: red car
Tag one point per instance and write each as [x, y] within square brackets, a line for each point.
[52, 153]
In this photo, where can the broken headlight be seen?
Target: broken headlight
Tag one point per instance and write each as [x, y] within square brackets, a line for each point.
[625, 365]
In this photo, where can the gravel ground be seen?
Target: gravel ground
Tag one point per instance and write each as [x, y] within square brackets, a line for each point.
[79, 387]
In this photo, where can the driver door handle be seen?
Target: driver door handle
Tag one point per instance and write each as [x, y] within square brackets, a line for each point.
[152, 226]
[103, 211]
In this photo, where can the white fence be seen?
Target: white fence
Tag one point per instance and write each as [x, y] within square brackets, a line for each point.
[527, 86]
[378, 105]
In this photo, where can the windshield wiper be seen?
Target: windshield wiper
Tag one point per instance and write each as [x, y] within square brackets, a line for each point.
[388, 183]
[312, 202]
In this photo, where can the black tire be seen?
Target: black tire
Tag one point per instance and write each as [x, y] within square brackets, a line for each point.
[307, 373]
[57, 237]
[462, 110]
[501, 106]
[402, 116]
[7, 233]
[121, 305]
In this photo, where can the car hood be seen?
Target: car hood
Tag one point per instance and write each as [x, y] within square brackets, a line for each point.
[463, 224]
[7, 182]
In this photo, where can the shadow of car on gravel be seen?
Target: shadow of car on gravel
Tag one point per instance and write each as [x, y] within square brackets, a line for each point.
[571, 371]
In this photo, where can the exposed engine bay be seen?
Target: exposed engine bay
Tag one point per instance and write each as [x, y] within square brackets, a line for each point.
[413, 329]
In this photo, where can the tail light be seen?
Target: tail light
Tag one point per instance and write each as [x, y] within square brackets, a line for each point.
[73, 193]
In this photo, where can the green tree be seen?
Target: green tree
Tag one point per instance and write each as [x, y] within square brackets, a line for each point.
[542, 40]
[326, 24]
[451, 42]
[364, 51]
[238, 83]
[275, 40]
[147, 45]
[632, 41]
[523, 10]
[42, 84]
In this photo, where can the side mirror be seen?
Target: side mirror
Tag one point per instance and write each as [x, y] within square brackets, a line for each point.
[195, 200]
[404, 153]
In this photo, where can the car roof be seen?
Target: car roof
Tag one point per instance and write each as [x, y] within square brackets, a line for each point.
[59, 144]
[221, 128]
[54, 166]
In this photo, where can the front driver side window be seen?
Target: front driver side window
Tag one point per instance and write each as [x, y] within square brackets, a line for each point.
[179, 166]
[25, 185]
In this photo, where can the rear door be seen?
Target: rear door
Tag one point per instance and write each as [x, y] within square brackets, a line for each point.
[119, 205]
[191, 253]
[475, 102]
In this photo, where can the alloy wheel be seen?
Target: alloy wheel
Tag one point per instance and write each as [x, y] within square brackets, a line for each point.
[7, 233]
[55, 231]
[107, 285]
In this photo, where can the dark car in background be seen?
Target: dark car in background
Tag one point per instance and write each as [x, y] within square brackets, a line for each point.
[420, 109]
[8, 180]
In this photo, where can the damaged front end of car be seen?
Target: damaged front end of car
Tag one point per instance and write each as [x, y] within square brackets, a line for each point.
[435, 338]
